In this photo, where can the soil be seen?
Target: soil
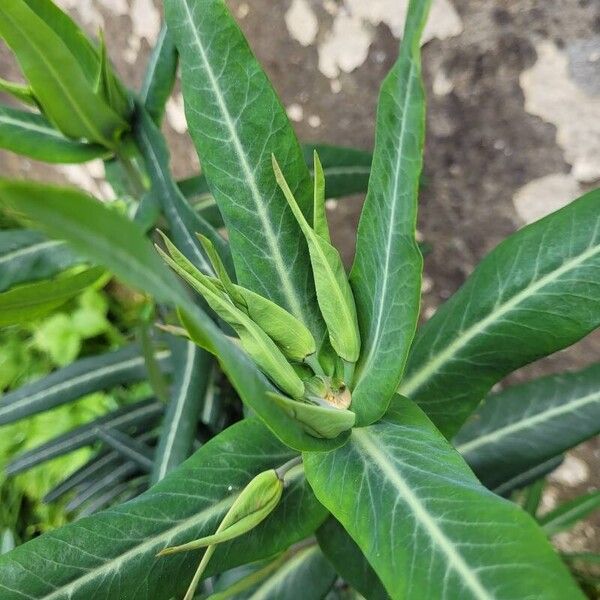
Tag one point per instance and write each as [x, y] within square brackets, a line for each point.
[482, 144]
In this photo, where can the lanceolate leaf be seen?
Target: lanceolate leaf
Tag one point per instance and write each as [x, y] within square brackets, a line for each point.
[112, 554]
[27, 255]
[423, 521]
[386, 275]
[346, 172]
[56, 77]
[82, 377]
[26, 302]
[304, 574]
[184, 223]
[349, 561]
[119, 493]
[129, 448]
[569, 513]
[193, 368]
[536, 293]
[160, 75]
[70, 33]
[527, 477]
[23, 93]
[31, 135]
[228, 101]
[106, 237]
[140, 414]
[528, 424]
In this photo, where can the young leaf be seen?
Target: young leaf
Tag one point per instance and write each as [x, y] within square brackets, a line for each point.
[216, 64]
[178, 431]
[259, 346]
[138, 415]
[108, 238]
[292, 336]
[18, 91]
[333, 290]
[108, 85]
[123, 543]
[386, 275]
[506, 315]
[117, 494]
[567, 514]
[70, 33]
[320, 226]
[533, 497]
[27, 256]
[32, 135]
[26, 302]
[160, 75]
[531, 423]
[84, 376]
[320, 421]
[400, 480]
[346, 171]
[65, 94]
[183, 221]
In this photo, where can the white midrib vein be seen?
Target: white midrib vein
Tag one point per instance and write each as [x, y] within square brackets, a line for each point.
[282, 270]
[421, 376]
[527, 422]
[179, 404]
[29, 250]
[34, 127]
[85, 377]
[374, 347]
[66, 591]
[427, 521]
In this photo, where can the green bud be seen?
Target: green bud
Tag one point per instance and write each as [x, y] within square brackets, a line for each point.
[254, 504]
[317, 420]
[253, 339]
[291, 335]
[334, 294]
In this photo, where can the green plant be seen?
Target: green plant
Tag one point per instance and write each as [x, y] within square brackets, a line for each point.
[346, 460]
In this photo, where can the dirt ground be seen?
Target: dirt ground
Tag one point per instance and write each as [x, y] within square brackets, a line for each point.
[494, 157]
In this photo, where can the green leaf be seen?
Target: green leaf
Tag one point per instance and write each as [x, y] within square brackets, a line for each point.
[533, 497]
[108, 85]
[31, 135]
[27, 255]
[386, 274]
[58, 337]
[346, 169]
[184, 223]
[160, 75]
[70, 33]
[109, 238]
[425, 524]
[229, 99]
[534, 294]
[23, 93]
[349, 561]
[140, 414]
[531, 423]
[117, 494]
[346, 172]
[82, 377]
[26, 302]
[299, 574]
[111, 553]
[528, 477]
[178, 431]
[334, 295]
[56, 77]
[567, 514]
[127, 446]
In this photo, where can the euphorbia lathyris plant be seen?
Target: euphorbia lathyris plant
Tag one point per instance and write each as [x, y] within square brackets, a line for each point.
[344, 463]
